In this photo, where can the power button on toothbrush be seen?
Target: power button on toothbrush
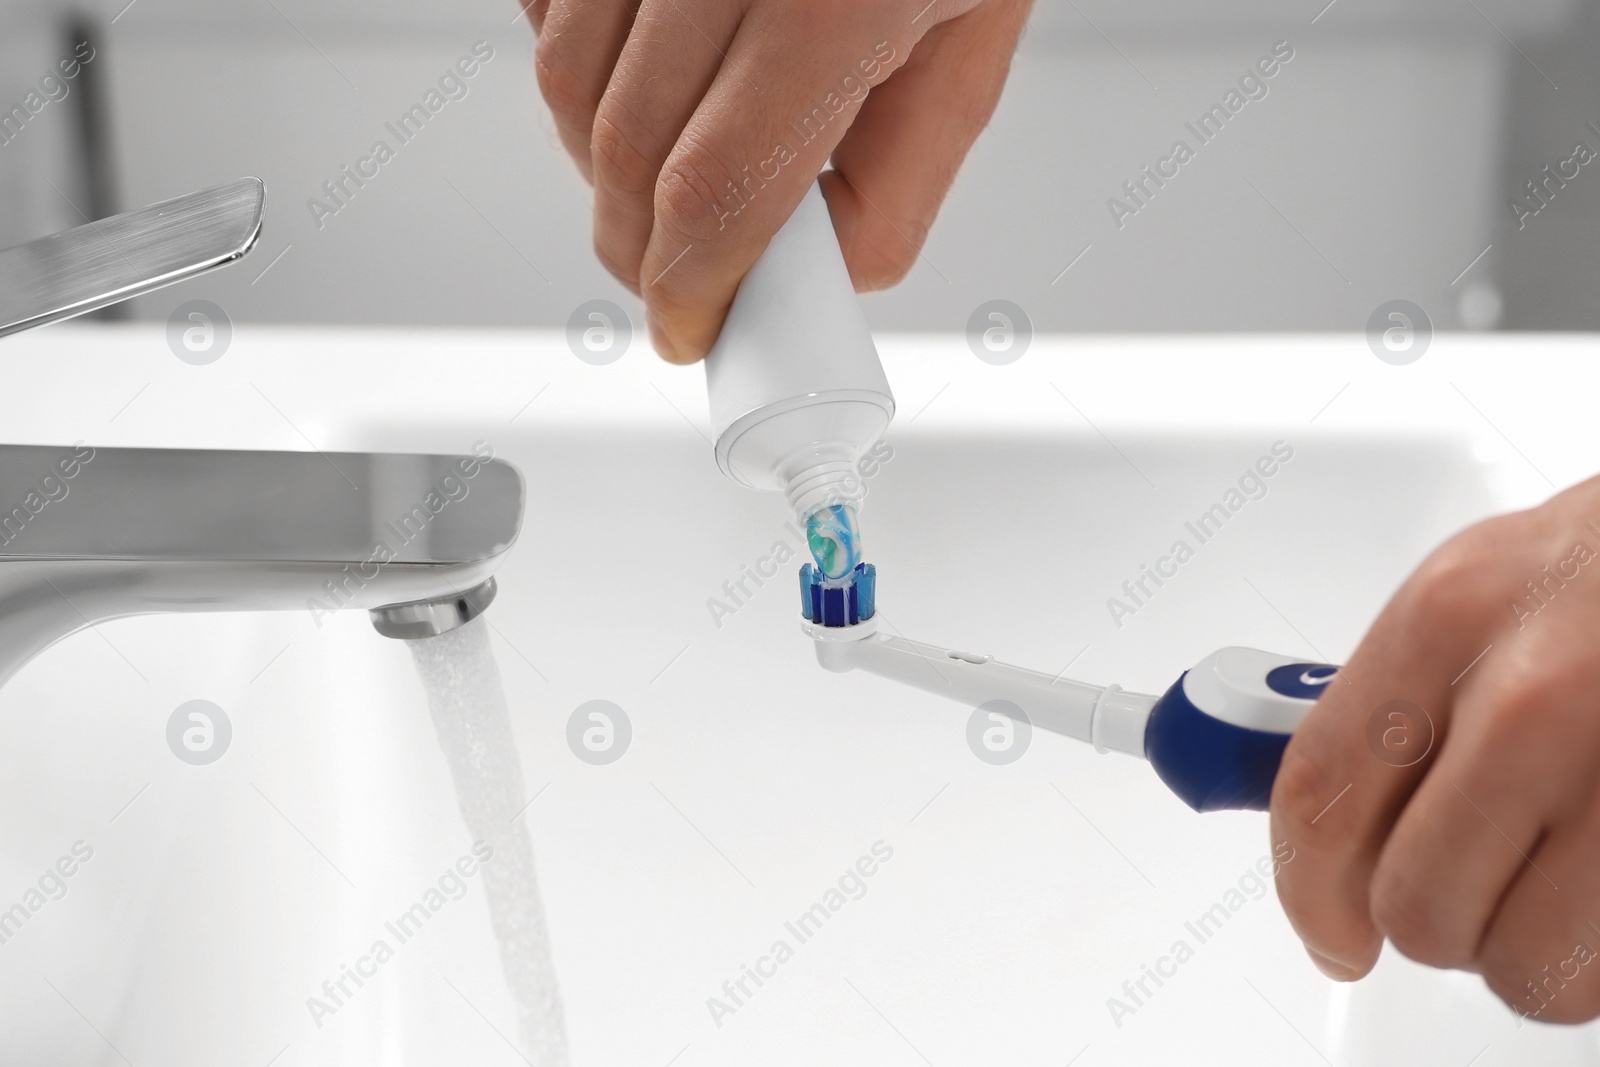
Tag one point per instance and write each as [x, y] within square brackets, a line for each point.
[1303, 681]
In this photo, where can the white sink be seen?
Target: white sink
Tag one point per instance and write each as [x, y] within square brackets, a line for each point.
[1018, 899]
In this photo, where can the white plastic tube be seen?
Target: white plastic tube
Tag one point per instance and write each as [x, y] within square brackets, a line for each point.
[797, 392]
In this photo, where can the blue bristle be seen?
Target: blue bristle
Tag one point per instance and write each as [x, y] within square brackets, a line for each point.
[844, 603]
[835, 608]
[866, 590]
[806, 608]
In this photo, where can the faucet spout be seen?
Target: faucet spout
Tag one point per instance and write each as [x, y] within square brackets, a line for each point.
[88, 535]
[430, 618]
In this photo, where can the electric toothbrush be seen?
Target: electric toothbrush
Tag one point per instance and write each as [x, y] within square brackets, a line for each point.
[798, 395]
[1215, 737]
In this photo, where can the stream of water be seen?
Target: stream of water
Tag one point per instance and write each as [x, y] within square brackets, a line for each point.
[468, 704]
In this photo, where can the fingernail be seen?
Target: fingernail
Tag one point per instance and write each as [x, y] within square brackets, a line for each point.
[1332, 968]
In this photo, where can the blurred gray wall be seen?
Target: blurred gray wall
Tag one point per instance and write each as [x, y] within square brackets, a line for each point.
[1378, 166]
[40, 162]
[1552, 261]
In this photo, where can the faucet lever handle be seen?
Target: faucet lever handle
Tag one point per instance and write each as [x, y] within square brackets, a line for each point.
[101, 263]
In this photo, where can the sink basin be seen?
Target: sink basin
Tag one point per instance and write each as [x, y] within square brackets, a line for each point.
[1006, 905]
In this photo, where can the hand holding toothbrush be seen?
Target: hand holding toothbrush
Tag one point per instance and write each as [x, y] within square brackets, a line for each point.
[1445, 793]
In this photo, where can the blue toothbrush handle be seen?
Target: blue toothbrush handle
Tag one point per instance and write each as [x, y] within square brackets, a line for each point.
[1217, 736]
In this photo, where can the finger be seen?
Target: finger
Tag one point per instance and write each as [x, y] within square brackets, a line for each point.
[738, 171]
[1542, 952]
[1337, 796]
[579, 42]
[897, 163]
[1475, 819]
[536, 11]
[1334, 802]
[644, 110]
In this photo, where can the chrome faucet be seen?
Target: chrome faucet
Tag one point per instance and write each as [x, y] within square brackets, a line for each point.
[102, 263]
[92, 534]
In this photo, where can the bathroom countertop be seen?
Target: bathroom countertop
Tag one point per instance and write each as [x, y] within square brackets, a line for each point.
[277, 386]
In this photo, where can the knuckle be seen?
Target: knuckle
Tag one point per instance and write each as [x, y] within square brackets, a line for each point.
[1446, 585]
[1561, 672]
[1511, 980]
[1302, 790]
[1466, 577]
[568, 95]
[620, 159]
[1552, 984]
[1528, 703]
[1406, 915]
[688, 200]
[1518, 702]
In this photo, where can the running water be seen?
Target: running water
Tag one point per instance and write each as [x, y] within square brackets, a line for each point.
[469, 712]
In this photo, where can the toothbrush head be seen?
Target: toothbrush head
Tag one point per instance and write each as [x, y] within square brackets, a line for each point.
[840, 602]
